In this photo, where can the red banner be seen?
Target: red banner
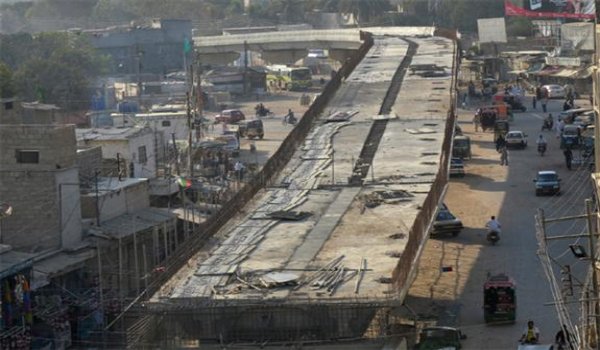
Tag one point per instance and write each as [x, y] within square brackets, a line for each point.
[575, 9]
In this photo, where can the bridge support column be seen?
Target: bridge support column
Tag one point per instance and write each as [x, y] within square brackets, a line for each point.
[284, 56]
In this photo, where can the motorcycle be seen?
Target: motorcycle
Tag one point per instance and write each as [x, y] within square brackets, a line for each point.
[493, 237]
[541, 149]
[547, 125]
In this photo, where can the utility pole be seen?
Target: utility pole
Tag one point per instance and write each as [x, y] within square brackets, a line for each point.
[245, 67]
[97, 198]
[565, 269]
[176, 155]
[592, 247]
[189, 123]
[119, 167]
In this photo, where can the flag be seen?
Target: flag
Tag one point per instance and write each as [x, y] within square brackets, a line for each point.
[185, 183]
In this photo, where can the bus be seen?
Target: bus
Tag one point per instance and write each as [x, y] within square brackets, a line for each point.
[289, 78]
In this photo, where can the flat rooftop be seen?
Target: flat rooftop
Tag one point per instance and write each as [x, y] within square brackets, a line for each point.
[270, 253]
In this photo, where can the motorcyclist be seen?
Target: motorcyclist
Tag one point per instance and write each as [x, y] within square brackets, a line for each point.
[493, 225]
[289, 118]
[531, 334]
[548, 122]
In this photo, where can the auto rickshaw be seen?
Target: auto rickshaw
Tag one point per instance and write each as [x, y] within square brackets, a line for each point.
[499, 299]
[487, 117]
[461, 147]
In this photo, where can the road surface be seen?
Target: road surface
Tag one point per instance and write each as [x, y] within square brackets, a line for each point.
[456, 297]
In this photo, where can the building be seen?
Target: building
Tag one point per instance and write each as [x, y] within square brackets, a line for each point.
[40, 180]
[135, 147]
[157, 47]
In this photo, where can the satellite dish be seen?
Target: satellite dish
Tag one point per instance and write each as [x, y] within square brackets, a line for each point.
[5, 210]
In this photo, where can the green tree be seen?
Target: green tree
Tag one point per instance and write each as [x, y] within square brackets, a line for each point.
[6, 81]
[54, 68]
[364, 11]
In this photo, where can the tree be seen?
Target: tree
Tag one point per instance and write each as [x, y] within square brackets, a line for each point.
[364, 11]
[53, 68]
[6, 81]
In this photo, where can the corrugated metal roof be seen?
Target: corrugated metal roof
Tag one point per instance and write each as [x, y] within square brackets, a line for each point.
[126, 225]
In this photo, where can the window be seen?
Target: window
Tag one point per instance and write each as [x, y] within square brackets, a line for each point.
[166, 123]
[143, 157]
[28, 156]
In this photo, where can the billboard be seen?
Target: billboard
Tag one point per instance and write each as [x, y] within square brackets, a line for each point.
[491, 30]
[579, 36]
[575, 9]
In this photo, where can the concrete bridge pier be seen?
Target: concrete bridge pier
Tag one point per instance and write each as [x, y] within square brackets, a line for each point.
[288, 56]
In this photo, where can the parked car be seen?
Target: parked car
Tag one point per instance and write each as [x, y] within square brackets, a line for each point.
[445, 222]
[586, 119]
[230, 116]
[554, 91]
[457, 167]
[516, 139]
[547, 182]
[569, 115]
[461, 147]
[438, 338]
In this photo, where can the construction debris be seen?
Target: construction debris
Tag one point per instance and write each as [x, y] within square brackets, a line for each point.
[376, 198]
[289, 215]
[279, 279]
[361, 273]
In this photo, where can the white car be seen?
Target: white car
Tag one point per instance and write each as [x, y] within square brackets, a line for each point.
[516, 139]
[554, 91]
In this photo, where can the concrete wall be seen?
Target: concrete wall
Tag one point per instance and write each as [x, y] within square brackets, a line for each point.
[88, 160]
[69, 207]
[32, 189]
[116, 202]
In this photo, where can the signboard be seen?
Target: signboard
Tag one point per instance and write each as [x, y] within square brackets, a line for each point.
[491, 30]
[575, 9]
[563, 61]
[578, 36]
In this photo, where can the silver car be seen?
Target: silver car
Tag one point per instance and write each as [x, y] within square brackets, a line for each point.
[554, 91]
[516, 139]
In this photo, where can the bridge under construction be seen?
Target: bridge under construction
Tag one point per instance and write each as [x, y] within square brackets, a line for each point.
[328, 240]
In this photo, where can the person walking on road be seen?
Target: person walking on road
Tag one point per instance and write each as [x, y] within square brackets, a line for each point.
[500, 142]
[476, 121]
[504, 155]
[239, 170]
[534, 102]
[544, 100]
[568, 157]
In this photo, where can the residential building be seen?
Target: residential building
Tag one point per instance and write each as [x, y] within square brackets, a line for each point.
[40, 180]
[134, 146]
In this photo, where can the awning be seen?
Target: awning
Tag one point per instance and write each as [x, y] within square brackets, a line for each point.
[125, 225]
[565, 73]
[584, 73]
[59, 264]
[12, 262]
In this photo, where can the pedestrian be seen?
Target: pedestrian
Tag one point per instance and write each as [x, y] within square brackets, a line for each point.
[544, 99]
[534, 102]
[504, 155]
[239, 170]
[538, 93]
[500, 142]
[568, 157]
[476, 121]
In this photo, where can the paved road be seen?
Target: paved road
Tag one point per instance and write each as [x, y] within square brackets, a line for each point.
[456, 298]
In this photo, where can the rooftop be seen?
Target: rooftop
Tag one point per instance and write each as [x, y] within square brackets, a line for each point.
[115, 134]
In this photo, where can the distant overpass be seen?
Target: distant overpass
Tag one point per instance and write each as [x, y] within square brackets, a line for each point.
[289, 46]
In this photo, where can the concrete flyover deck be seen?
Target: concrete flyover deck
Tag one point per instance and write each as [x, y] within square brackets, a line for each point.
[269, 278]
[299, 39]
